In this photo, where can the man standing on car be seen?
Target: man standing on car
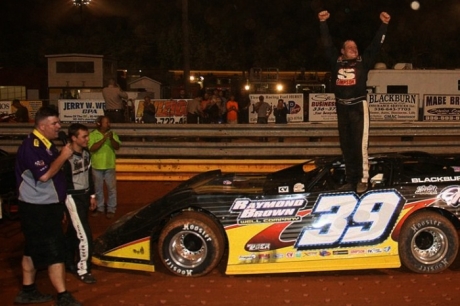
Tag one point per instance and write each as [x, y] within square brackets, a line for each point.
[42, 192]
[349, 77]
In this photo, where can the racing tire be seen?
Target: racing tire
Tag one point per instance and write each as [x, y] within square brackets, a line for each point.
[428, 243]
[191, 244]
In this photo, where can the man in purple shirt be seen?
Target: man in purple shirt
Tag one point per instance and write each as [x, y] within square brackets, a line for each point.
[42, 192]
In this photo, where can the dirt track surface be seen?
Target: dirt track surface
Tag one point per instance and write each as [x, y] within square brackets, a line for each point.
[119, 287]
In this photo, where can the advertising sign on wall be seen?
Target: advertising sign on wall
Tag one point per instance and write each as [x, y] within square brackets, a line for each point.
[441, 107]
[393, 107]
[294, 104]
[77, 110]
[388, 107]
[321, 107]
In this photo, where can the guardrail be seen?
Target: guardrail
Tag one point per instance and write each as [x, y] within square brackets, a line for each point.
[160, 152]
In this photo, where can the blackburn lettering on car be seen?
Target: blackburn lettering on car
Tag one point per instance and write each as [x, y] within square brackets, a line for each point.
[436, 179]
[345, 219]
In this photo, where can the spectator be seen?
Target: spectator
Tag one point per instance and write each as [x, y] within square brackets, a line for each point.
[102, 144]
[80, 199]
[232, 110]
[41, 195]
[280, 113]
[22, 113]
[263, 110]
[148, 115]
[194, 110]
[243, 108]
[114, 105]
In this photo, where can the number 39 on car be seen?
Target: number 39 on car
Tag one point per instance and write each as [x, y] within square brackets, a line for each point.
[298, 219]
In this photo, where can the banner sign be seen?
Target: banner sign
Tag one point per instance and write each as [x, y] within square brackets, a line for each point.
[294, 104]
[393, 107]
[441, 107]
[385, 107]
[6, 107]
[321, 107]
[167, 111]
[77, 110]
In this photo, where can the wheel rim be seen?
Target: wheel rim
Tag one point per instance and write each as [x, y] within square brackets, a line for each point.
[429, 245]
[188, 249]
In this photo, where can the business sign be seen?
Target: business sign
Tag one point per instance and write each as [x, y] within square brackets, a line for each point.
[441, 107]
[6, 107]
[321, 107]
[294, 104]
[393, 107]
[78, 110]
[382, 107]
[167, 111]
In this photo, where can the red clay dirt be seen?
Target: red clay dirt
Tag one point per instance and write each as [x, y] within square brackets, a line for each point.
[120, 287]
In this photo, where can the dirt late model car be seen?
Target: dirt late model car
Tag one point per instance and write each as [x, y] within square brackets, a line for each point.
[296, 220]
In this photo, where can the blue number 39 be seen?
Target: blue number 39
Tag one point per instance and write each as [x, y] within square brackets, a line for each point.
[345, 220]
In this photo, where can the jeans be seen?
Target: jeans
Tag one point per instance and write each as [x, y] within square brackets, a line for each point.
[107, 175]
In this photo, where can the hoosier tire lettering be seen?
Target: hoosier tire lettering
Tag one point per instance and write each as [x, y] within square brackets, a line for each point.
[428, 243]
[191, 244]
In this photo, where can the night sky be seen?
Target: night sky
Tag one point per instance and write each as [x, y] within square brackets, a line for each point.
[225, 35]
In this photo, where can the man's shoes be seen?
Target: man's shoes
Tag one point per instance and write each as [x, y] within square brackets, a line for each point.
[66, 299]
[110, 215]
[32, 297]
[346, 187]
[361, 187]
[96, 213]
[87, 278]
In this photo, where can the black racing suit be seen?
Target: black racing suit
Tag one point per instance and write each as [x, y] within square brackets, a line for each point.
[80, 187]
[349, 78]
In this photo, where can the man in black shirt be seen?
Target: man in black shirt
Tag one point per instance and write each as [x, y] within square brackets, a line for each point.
[349, 77]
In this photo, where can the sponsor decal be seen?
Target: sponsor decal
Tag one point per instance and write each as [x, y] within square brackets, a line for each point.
[455, 168]
[255, 247]
[283, 189]
[324, 253]
[247, 257]
[299, 187]
[340, 252]
[436, 179]
[353, 252]
[227, 182]
[450, 195]
[267, 210]
[379, 250]
[428, 190]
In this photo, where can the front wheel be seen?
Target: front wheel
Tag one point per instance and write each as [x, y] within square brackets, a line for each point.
[191, 244]
[428, 243]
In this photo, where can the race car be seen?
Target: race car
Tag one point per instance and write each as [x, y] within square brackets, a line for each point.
[298, 219]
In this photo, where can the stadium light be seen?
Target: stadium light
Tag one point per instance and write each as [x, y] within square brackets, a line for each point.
[81, 2]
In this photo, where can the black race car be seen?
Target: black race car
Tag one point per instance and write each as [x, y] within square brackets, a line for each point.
[297, 219]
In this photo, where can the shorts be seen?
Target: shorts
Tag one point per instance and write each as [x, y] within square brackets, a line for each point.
[41, 225]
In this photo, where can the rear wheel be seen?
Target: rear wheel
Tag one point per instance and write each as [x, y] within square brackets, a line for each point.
[191, 244]
[428, 243]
